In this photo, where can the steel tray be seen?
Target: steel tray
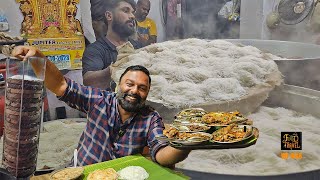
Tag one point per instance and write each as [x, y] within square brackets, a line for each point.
[211, 145]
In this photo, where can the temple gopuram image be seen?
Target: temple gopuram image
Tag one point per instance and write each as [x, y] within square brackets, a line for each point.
[52, 26]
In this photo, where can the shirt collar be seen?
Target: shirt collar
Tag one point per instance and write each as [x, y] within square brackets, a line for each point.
[112, 46]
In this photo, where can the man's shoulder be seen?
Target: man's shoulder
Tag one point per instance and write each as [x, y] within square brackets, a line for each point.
[109, 93]
[100, 43]
[148, 111]
[146, 22]
[109, 96]
[150, 20]
[135, 44]
[95, 49]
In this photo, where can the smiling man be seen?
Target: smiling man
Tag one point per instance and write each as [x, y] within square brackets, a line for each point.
[98, 56]
[119, 124]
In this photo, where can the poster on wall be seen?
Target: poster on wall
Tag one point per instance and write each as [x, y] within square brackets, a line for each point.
[66, 53]
[51, 26]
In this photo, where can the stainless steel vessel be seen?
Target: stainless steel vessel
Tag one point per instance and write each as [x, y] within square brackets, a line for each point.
[302, 64]
[290, 97]
[301, 93]
[299, 67]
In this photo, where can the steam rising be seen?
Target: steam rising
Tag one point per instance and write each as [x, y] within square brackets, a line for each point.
[201, 20]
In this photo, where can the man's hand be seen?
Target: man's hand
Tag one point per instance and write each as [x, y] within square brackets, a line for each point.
[143, 39]
[54, 79]
[23, 52]
[168, 156]
[99, 79]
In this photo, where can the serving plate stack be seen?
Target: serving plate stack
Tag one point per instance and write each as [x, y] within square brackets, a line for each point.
[195, 128]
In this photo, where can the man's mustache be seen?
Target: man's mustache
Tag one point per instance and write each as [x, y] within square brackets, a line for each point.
[130, 21]
[138, 98]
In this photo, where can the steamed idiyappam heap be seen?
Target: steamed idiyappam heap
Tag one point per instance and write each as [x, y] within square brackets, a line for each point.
[195, 71]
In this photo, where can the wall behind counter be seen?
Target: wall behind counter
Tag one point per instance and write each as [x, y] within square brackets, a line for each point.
[10, 9]
[253, 24]
[75, 75]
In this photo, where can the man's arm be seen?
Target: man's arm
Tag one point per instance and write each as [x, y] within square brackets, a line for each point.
[169, 156]
[100, 79]
[161, 152]
[145, 42]
[54, 79]
[152, 39]
[94, 72]
[153, 33]
[80, 97]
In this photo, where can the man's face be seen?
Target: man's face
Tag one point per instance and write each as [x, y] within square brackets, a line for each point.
[123, 20]
[133, 91]
[143, 10]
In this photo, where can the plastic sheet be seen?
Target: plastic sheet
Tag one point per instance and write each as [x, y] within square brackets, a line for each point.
[23, 114]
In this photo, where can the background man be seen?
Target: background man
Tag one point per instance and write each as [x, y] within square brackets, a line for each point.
[119, 124]
[97, 15]
[147, 29]
[100, 54]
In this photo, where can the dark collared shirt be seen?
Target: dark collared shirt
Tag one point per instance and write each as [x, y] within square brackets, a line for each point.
[100, 54]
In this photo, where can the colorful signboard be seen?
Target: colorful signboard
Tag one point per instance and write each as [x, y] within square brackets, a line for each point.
[51, 26]
[66, 53]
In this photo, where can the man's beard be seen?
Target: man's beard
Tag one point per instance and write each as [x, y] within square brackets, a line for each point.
[128, 106]
[142, 16]
[123, 29]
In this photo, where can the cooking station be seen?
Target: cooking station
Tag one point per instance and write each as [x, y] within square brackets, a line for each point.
[300, 92]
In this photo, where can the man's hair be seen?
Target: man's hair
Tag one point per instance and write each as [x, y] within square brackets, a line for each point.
[110, 5]
[137, 68]
[140, 2]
